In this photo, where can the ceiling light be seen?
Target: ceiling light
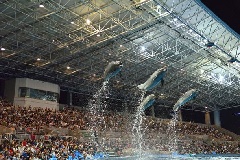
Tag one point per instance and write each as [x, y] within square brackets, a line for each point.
[41, 6]
[221, 78]
[205, 40]
[3, 49]
[98, 35]
[38, 59]
[72, 23]
[88, 21]
[142, 48]
[121, 45]
[174, 19]
[68, 67]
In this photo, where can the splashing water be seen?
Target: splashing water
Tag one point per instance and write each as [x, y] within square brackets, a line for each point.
[137, 130]
[97, 106]
[172, 134]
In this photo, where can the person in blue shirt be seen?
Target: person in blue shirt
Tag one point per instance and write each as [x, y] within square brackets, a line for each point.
[53, 157]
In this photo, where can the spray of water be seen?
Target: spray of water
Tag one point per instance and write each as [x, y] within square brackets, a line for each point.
[172, 134]
[137, 130]
[97, 106]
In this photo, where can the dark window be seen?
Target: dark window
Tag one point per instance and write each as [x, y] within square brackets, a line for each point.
[38, 94]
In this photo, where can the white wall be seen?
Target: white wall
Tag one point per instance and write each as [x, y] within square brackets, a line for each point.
[36, 84]
[12, 91]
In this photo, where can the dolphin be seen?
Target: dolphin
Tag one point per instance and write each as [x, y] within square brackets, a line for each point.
[112, 69]
[189, 95]
[147, 102]
[154, 79]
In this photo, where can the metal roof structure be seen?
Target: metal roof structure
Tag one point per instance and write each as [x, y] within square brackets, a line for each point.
[70, 42]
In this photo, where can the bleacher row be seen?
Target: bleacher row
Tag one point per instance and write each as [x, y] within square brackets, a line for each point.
[71, 126]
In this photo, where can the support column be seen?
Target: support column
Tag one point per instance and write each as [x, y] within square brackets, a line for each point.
[217, 120]
[180, 115]
[152, 111]
[69, 98]
[207, 118]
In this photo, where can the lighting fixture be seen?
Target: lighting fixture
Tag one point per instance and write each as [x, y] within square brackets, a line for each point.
[38, 59]
[142, 48]
[72, 23]
[3, 49]
[68, 67]
[41, 6]
[88, 21]
[98, 35]
[221, 78]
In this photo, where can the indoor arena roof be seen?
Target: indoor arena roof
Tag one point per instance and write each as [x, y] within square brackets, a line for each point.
[70, 42]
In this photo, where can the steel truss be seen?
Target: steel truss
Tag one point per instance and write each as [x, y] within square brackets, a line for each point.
[85, 35]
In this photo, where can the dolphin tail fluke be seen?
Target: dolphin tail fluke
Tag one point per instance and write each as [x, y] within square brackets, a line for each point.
[175, 108]
[121, 76]
[162, 82]
[194, 97]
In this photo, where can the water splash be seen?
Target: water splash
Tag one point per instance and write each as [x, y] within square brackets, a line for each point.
[172, 134]
[97, 106]
[137, 130]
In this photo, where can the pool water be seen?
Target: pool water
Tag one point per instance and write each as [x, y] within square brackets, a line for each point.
[181, 157]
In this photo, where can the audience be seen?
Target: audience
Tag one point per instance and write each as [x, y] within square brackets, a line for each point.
[156, 136]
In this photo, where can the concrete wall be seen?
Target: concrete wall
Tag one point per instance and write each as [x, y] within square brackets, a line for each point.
[36, 84]
[12, 92]
[9, 90]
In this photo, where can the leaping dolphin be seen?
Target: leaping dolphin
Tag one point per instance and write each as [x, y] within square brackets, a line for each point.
[189, 95]
[154, 79]
[147, 102]
[112, 69]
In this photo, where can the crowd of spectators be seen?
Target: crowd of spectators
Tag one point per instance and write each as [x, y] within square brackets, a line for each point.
[155, 138]
[56, 147]
[185, 128]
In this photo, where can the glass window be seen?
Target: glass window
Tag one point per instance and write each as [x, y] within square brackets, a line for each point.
[33, 93]
[23, 92]
[38, 94]
[51, 96]
[42, 95]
